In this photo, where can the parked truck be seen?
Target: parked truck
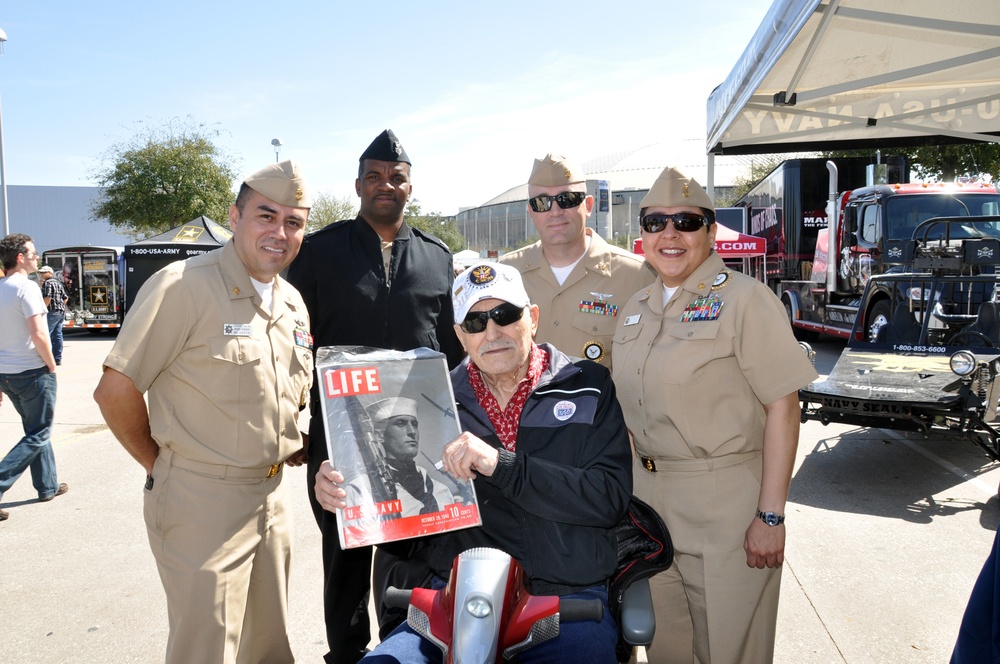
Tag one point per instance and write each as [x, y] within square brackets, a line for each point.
[92, 277]
[829, 228]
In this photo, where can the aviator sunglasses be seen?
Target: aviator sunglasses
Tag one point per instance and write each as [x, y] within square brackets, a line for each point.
[685, 222]
[565, 200]
[502, 314]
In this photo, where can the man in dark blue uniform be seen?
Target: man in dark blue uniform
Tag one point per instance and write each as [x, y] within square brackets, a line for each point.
[369, 281]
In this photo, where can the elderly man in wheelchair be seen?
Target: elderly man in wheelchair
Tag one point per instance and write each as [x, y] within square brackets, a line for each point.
[544, 441]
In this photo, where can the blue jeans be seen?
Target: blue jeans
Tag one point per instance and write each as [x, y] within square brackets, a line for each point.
[578, 642]
[33, 395]
[55, 320]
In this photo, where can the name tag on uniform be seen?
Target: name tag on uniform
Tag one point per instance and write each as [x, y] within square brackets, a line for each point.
[632, 320]
[237, 329]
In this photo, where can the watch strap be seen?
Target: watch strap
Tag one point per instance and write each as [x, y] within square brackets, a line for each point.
[770, 518]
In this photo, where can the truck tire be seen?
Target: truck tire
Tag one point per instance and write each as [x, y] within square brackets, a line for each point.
[878, 318]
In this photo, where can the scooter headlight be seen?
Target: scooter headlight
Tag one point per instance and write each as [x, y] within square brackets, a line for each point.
[479, 606]
[963, 363]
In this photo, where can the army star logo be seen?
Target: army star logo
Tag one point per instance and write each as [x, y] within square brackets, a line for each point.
[188, 234]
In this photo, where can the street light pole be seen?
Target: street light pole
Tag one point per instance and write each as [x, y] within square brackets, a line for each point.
[3, 173]
[276, 142]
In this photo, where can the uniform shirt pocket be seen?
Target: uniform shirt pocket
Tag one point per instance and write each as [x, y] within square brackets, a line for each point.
[597, 325]
[622, 345]
[236, 350]
[692, 347]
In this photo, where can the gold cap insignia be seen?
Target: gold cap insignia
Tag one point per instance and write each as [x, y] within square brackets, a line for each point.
[298, 194]
[687, 192]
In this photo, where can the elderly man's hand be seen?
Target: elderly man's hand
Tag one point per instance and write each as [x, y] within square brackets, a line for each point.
[467, 455]
[328, 491]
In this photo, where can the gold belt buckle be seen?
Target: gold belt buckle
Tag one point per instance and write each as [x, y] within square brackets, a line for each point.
[649, 464]
[274, 470]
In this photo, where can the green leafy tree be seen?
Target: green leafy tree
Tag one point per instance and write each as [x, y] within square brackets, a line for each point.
[441, 227]
[949, 162]
[328, 208]
[163, 176]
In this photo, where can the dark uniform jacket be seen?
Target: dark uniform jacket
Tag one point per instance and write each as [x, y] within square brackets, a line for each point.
[341, 277]
[551, 504]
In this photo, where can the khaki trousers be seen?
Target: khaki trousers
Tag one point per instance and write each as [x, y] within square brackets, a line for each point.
[223, 549]
[710, 607]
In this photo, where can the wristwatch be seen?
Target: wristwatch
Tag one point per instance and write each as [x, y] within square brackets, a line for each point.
[770, 518]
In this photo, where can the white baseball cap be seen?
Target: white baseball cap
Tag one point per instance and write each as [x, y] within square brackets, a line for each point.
[486, 281]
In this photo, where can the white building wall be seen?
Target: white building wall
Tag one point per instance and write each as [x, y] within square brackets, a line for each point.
[58, 217]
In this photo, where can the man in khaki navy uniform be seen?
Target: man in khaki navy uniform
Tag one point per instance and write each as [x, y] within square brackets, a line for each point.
[578, 280]
[709, 385]
[222, 345]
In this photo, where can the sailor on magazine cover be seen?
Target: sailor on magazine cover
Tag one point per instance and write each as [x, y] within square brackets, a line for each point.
[396, 428]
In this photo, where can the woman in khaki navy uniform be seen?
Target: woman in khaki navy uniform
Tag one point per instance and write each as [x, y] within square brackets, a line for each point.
[222, 345]
[578, 280]
[709, 387]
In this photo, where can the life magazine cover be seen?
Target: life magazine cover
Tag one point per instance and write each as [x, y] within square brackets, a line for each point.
[388, 415]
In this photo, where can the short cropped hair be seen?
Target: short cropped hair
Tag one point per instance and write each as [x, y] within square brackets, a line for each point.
[10, 247]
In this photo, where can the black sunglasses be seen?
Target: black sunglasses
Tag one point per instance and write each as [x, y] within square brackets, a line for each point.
[565, 200]
[685, 222]
[502, 314]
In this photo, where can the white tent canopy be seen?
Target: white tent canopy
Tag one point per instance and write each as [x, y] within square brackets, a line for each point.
[841, 74]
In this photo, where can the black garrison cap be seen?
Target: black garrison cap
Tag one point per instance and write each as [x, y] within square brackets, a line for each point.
[386, 147]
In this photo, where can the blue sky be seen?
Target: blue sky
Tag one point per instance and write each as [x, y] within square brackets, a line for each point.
[474, 90]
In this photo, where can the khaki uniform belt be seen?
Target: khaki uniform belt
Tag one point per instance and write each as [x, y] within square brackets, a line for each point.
[218, 470]
[656, 464]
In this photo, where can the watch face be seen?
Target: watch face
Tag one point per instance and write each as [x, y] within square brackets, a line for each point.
[770, 518]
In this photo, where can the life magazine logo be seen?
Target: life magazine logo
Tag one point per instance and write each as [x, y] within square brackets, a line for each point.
[351, 382]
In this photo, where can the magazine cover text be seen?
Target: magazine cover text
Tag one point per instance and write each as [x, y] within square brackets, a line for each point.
[388, 416]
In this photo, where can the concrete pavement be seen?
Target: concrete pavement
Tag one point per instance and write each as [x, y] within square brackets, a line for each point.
[886, 537]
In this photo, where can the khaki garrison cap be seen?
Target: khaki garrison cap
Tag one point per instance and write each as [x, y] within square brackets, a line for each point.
[393, 407]
[555, 170]
[283, 183]
[675, 189]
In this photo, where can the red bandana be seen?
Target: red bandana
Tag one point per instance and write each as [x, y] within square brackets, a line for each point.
[505, 422]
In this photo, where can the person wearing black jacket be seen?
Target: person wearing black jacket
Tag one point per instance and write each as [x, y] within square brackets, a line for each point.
[545, 443]
[369, 281]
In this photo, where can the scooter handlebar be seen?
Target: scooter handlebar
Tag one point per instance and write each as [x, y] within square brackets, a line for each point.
[396, 598]
[571, 610]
